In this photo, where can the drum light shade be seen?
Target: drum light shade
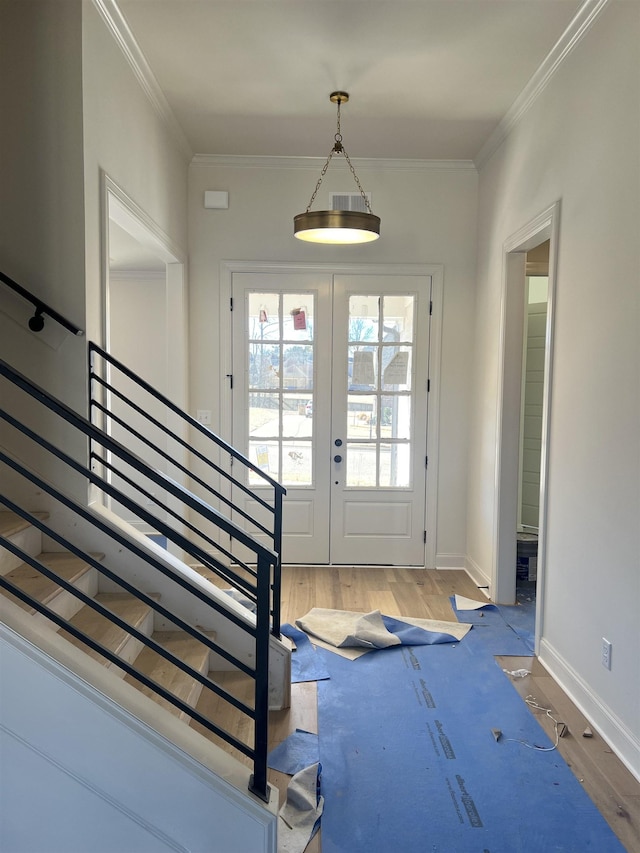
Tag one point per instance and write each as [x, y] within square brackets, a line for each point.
[337, 226]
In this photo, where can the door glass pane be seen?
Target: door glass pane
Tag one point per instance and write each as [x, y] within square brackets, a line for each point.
[297, 363]
[380, 366]
[297, 317]
[362, 368]
[396, 368]
[361, 465]
[296, 463]
[361, 416]
[263, 454]
[364, 318]
[263, 316]
[395, 416]
[280, 358]
[395, 465]
[264, 366]
[264, 415]
[398, 313]
[297, 416]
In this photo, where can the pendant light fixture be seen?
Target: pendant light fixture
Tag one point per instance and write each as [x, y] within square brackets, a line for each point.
[337, 226]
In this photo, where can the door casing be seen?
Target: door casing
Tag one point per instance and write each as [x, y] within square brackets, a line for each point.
[543, 227]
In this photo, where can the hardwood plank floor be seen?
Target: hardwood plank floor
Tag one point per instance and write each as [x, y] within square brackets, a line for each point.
[610, 785]
[425, 593]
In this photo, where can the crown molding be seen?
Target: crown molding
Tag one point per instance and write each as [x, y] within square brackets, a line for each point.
[379, 164]
[126, 41]
[581, 23]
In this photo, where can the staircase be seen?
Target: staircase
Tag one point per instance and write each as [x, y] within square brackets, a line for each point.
[188, 702]
[103, 631]
[128, 678]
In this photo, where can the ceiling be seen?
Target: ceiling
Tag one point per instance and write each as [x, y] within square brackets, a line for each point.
[428, 79]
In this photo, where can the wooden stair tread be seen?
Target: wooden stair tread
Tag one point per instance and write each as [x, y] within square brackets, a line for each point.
[98, 627]
[38, 586]
[12, 523]
[165, 673]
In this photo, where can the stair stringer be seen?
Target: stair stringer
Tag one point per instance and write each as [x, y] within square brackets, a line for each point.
[82, 749]
[228, 635]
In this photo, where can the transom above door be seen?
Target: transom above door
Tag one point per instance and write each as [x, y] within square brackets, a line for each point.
[330, 399]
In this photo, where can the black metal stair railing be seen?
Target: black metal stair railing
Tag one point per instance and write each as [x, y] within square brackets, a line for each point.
[129, 407]
[255, 579]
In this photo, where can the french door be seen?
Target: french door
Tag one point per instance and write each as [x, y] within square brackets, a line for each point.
[330, 399]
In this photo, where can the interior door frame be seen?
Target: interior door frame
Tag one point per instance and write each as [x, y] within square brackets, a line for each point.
[435, 271]
[543, 227]
[118, 207]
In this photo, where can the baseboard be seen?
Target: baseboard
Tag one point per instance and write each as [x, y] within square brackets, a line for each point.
[450, 561]
[476, 574]
[621, 740]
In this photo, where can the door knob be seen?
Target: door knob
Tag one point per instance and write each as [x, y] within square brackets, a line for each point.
[338, 442]
[337, 458]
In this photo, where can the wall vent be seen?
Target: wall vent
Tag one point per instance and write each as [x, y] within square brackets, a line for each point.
[348, 201]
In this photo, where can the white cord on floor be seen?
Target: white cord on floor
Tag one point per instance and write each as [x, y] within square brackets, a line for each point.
[532, 703]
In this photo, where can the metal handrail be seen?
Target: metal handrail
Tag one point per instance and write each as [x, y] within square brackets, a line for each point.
[260, 588]
[36, 323]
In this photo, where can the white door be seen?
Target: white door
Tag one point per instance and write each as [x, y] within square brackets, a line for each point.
[330, 399]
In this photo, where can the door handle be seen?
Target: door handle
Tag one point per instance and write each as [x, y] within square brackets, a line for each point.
[338, 442]
[337, 458]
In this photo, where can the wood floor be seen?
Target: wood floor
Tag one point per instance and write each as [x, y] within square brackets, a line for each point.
[410, 592]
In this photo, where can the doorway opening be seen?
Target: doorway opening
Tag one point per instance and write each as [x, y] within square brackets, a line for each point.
[521, 497]
[144, 320]
[532, 398]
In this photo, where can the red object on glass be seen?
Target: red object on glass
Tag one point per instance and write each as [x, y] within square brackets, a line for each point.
[299, 319]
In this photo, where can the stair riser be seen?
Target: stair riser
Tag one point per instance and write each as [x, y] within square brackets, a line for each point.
[67, 605]
[29, 540]
[195, 693]
[132, 647]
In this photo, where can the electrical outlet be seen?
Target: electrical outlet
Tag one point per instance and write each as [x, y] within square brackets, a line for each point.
[203, 416]
[606, 653]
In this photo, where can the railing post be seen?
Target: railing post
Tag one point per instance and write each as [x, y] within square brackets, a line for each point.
[277, 569]
[96, 451]
[89, 399]
[258, 782]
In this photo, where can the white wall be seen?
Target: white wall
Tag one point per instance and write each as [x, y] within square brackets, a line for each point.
[579, 144]
[138, 306]
[102, 780]
[138, 309]
[73, 107]
[41, 187]
[428, 216]
[41, 160]
[125, 137]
